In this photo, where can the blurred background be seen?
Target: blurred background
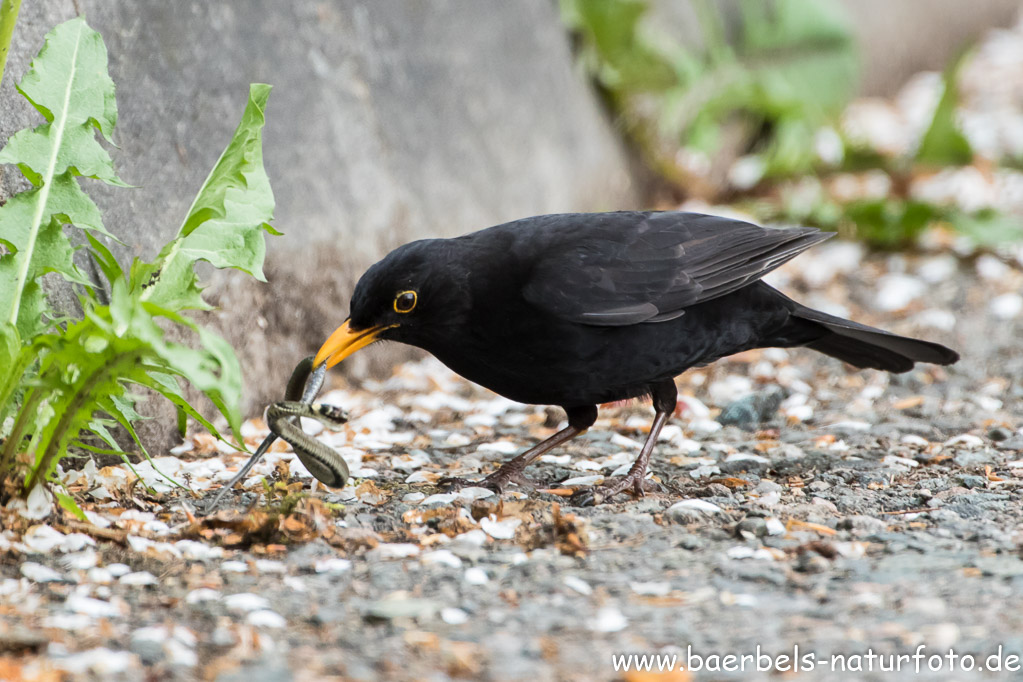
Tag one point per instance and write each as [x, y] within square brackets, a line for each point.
[899, 125]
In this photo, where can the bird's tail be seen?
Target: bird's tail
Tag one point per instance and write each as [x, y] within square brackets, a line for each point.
[865, 346]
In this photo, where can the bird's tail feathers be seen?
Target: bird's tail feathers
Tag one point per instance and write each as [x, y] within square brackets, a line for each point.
[865, 346]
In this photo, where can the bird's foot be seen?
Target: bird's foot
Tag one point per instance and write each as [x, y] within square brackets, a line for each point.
[599, 494]
[497, 481]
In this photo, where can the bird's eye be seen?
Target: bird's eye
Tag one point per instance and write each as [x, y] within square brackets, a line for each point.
[405, 301]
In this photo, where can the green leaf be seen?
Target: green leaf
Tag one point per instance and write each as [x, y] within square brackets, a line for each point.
[225, 223]
[944, 144]
[889, 223]
[68, 503]
[68, 84]
[68, 81]
[988, 227]
[625, 60]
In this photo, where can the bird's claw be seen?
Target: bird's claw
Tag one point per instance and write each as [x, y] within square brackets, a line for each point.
[497, 481]
[592, 496]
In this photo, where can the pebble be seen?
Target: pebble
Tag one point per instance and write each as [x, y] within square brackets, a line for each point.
[265, 618]
[609, 619]
[651, 589]
[691, 511]
[578, 584]
[393, 550]
[754, 525]
[999, 433]
[332, 565]
[139, 578]
[475, 576]
[43, 539]
[500, 530]
[245, 602]
[39, 573]
[453, 616]
[202, 594]
[969, 481]
[441, 557]
[397, 605]
[752, 409]
[704, 427]
[96, 608]
[965, 440]
[862, 525]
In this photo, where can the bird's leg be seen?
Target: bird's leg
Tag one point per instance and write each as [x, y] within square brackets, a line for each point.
[664, 394]
[579, 419]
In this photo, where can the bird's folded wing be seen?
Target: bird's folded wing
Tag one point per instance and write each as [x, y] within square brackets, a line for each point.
[636, 267]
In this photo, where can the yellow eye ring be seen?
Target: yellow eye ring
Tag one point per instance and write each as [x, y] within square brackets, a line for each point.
[405, 301]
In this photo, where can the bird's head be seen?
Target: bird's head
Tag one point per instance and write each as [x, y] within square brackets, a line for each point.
[416, 291]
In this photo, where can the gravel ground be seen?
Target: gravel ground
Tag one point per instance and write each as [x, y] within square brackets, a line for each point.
[866, 511]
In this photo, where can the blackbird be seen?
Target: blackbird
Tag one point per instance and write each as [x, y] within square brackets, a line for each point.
[580, 309]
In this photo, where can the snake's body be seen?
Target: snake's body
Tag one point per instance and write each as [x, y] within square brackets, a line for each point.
[321, 460]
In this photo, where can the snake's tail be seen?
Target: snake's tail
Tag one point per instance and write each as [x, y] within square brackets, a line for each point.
[256, 456]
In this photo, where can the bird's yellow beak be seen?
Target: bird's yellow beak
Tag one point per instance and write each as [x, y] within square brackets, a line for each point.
[345, 341]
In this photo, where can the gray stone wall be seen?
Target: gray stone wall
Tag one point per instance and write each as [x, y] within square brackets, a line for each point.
[389, 121]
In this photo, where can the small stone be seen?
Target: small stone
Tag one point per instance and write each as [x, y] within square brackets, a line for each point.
[862, 525]
[500, 530]
[752, 409]
[39, 573]
[441, 557]
[139, 578]
[811, 562]
[964, 440]
[439, 500]
[691, 511]
[476, 576]
[202, 594]
[974, 458]
[767, 486]
[453, 616]
[970, 481]
[265, 618]
[396, 606]
[578, 584]
[245, 602]
[393, 550]
[754, 525]
[609, 619]
[332, 565]
[1014, 443]
[654, 589]
[999, 434]
[43, 539]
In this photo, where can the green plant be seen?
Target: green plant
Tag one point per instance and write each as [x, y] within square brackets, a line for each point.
[791, 70]
[8, 18]
[61, 379]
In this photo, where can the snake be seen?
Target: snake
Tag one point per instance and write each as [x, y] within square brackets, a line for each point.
[321, 460]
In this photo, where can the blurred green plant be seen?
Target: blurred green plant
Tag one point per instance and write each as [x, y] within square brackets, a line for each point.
[61, 379]
[790, 70]
[756, 105]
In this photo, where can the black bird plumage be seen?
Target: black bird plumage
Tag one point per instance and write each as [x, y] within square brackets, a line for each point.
[580, 309]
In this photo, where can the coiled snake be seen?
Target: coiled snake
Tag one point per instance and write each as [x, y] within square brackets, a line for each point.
[321, 461]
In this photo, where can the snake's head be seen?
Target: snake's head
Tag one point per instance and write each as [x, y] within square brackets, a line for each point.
[333, 416]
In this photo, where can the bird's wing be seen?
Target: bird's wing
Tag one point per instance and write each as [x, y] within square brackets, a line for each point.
[627, 268]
